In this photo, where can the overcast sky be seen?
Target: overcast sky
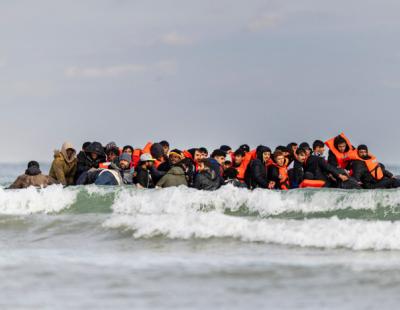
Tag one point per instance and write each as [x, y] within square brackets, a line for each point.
[198, 73]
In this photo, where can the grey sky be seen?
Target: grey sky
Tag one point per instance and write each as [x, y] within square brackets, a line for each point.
[197, 73]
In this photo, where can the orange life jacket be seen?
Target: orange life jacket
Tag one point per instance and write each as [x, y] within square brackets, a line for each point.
[105, 165]
[372, 164]
[243, 166]
[341, 158]
[283, 177]
[312, 183]
[147, 148]
[136, 157]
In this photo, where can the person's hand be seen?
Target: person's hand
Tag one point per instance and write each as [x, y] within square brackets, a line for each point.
[271, 185]
[343, 177]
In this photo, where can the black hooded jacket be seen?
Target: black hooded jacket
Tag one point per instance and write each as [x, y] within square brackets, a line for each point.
[319, 169]
[361, 174]
[256, 175]
[85, 162]
[207, 180]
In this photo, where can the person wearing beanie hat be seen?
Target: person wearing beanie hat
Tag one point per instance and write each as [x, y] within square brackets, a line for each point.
[370, 173]
[117, 174]
[257, 174]
[32, 177]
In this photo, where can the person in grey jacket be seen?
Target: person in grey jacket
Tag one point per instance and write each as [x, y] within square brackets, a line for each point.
[176, 176]
[206, 178]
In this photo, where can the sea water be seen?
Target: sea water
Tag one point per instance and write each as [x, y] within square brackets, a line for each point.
[179, 248]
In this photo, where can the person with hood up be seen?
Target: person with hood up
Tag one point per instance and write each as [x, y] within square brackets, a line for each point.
[90, 158]
[32, 177]
[176, 176]
[117, 174]
[206, 178]
[257, 173]
[63, 168]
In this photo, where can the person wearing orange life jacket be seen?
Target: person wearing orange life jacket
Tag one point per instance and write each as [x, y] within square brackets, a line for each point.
[317, 168]
[241, 160]
[369, 172]
[339, 149]
[278, 172]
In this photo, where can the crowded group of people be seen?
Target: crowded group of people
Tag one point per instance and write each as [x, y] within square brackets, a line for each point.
[158, 166]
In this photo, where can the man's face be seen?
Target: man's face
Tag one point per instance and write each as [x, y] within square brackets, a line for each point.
[197, 156]
[308, 152]
[301, 157]
[112, 156]
[204, 155]
[280, 160]
[149, 164]
[128, 151]
[342, 147]
[294, 148]
[174, 159]
[266, 156]
[94, 156]
[123, 164]
[238, 160]
[363, 153]
[166, 149]
[319, 150]
[70, 153]
[220, 159]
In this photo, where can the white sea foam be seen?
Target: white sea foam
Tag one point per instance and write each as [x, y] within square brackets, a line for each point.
[179, 213]
[32, 200]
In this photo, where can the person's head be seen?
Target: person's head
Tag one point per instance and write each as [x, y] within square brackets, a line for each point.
[239, 156]
[230, 173]
[319, 147]
[292, 147]
[175, 156]
[219, 156]
[279, 158]
[301, 155]
[157, 151]
[68, 151]
[341, 144]
[245, 148]
[362, 151]
[85, 146]
[263, 153]
[283, 149]
[204, 152]
[306, 147]
[95, 150]
[203, 165]
[128, 149]
[110, 145]
[112, 154]
[165, 145]
[146, 161]
[197, 155]
[226, 148]
[125, 160]
[227, 162]
[33, 164]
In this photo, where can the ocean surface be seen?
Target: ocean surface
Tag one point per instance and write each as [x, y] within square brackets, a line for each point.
[178, 248]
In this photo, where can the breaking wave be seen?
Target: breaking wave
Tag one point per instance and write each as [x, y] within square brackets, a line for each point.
[309, 218]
